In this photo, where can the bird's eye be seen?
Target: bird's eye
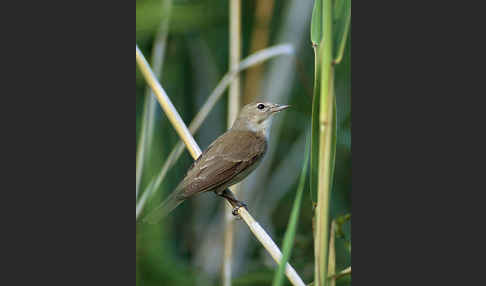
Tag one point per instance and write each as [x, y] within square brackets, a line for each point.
[261, 106]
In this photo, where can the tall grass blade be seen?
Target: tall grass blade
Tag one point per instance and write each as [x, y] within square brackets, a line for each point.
[316, 23]
[142, 146]
[343, 23]
[315, 130]
[292, 226]
[316, 36]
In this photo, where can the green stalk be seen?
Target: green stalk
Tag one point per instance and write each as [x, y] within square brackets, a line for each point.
[325, 140]
[332, 254]
[316, 37]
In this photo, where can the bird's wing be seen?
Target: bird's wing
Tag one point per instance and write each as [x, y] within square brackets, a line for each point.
[221, 162]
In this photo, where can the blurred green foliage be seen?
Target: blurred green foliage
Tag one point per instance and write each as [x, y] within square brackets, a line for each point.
[176, 251]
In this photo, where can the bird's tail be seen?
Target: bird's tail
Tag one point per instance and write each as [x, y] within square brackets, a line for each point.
[168, 205]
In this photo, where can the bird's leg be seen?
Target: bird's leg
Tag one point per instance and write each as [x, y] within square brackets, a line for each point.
[227, 194]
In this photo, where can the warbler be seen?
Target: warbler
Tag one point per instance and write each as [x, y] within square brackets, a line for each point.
[227, 161]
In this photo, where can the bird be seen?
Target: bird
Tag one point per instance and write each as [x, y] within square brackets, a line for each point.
[228, 160]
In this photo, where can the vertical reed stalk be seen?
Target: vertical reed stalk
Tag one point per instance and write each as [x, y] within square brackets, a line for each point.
[234, 60]
[233, 109]
[323, 195]
[325, 134]
[332, 254]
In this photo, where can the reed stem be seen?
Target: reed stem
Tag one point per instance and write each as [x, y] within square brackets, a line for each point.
[169, 109]
[158, 52]
[325, 134]
[270, 246]
[233, 109]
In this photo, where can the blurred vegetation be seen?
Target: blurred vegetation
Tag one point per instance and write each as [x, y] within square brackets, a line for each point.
[186, 248]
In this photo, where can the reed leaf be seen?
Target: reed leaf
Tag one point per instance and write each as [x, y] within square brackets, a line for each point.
[343, 23]
[316, 23]
[315, 131]
[294, 217]
[316, 36]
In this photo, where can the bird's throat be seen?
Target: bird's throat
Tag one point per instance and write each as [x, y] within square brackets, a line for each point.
[261, 128]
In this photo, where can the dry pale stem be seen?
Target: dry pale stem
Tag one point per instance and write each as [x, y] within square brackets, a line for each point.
[233, 108]
[269, 245]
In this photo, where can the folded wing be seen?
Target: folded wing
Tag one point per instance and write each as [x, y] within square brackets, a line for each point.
[225, 160]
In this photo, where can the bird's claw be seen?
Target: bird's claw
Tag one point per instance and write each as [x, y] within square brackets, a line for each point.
[236, 209]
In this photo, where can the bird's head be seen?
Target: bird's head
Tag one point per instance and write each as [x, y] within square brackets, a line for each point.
[257, 117]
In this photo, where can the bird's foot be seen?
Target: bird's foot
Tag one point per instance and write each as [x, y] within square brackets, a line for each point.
[235, 203]
[236, 209]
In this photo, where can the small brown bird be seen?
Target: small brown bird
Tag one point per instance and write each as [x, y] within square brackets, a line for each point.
[227, 161]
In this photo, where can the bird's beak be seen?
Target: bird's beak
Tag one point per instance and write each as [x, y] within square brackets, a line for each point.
[278, 108]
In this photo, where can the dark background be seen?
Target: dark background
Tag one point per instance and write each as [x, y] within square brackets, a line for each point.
[417, 206]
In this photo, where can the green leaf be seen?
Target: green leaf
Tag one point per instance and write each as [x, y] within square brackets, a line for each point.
[315, 132]
[292, 226]
[340, 198]
[343, 98]
[333, 146]
[316, 23]
[338, 9]
[342, 23]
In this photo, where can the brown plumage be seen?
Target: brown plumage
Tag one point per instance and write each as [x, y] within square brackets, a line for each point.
[222, 163]
[227, 161]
